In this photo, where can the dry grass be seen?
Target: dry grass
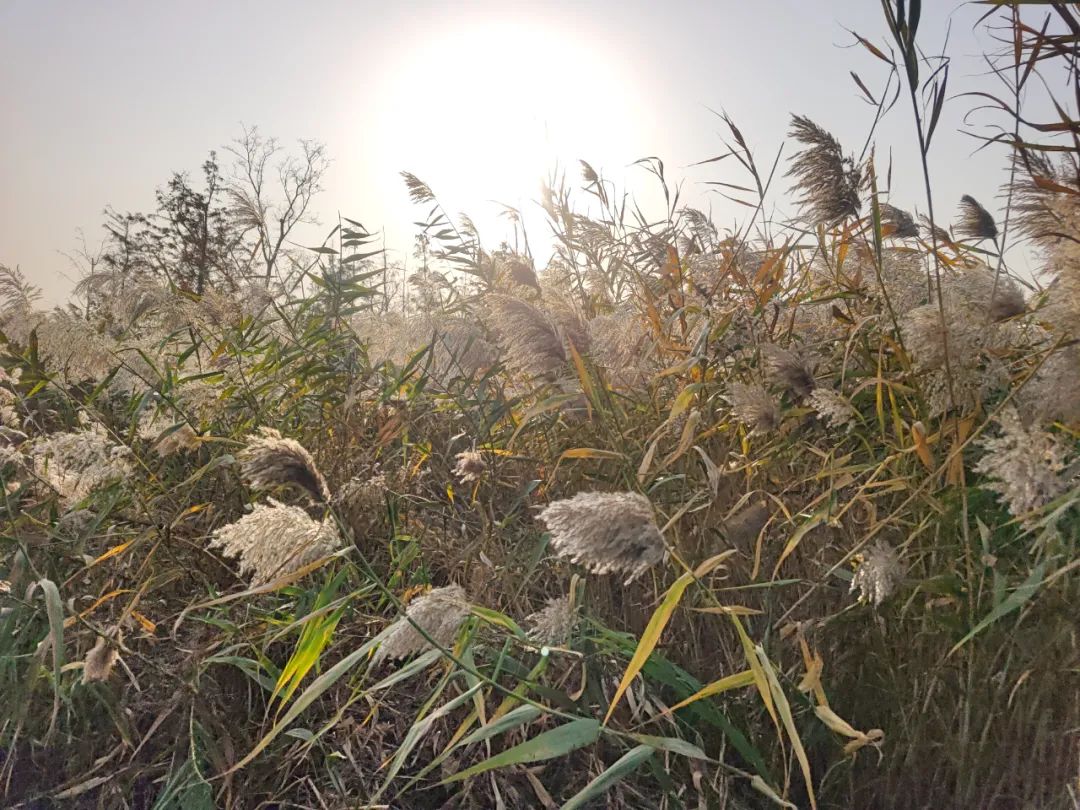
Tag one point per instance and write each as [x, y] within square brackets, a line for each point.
[839, 466]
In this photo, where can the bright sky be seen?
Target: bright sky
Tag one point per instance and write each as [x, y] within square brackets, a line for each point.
[103, 100]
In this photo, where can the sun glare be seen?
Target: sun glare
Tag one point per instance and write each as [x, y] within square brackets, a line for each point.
[485, 112]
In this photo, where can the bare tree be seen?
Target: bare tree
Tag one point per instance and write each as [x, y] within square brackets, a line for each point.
[272, 192]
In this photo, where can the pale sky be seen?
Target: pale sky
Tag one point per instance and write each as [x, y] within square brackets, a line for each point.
[103, 100]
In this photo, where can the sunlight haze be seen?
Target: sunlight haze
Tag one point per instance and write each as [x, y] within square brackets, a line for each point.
[481, 101]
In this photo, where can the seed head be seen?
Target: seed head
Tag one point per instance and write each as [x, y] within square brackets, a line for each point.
[975, 221]
[99, 662]
[753, 406]
[271, 461]
[828, 181]
[878, 574]
[76, 464]
[535, 340]
[554, 623]
[274, 540]
[607, 532]
[1024, 465]
[440, 613]
[470, 466]
[901, 225]
[788, 370]
[833, 407]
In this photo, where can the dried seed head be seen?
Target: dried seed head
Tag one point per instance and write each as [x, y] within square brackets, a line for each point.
[986, 293]
[788, 370]
[753, 406]
[899, 222]
[440, 613]
[902, 278]
[607, 532]
[470, 466]
[76, 464]
[535, 340]
[878, 574]
[270, 461]
[274, 540]
[828, 181]
[620, 342]
[554, 623]
[933, 232]
[419, 191]
[833, 407]
[361, 505]
[99, 662]
[1053, 392]
[975, 221]
[1024, 464]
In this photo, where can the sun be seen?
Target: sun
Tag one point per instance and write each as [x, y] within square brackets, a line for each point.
[485, 112]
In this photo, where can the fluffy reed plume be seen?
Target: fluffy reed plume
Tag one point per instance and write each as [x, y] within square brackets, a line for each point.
[833, 407]
[1053, 392]
[932, 231]
[271, 461]
[898, 222]
[76, 464]
[620, 343]
[1024, 465]
[535, 340]
[9, 399]
[878, 574]
[742, 528]
[273, 540]
[985, 292]
[470, 466]
[554, 623]
[361, 505]
[440, 613]
[975, 222]
[607, 532]
[788, 370]
[69, 346]
[511, 270]
[754, 407]
[419, 191]
[902, 278]
[828, 181]
[99, 662]
[926, 338]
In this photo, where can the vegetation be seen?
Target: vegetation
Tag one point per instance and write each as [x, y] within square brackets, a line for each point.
[786, 516]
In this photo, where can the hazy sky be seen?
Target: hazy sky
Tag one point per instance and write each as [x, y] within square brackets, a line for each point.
[103, 100]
